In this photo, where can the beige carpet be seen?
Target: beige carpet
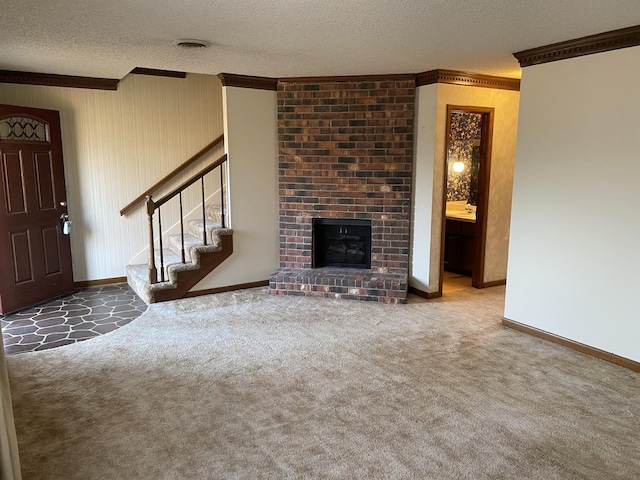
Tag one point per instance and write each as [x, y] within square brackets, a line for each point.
[291, 387]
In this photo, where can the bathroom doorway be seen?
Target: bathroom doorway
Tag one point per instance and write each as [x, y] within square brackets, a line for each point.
[469, 132]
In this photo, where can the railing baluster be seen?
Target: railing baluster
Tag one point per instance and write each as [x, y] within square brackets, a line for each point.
[161, 247]
[204, 214]
[153, 272]
[182, 231]
[152, 206]
[191, 181]
[222, 195]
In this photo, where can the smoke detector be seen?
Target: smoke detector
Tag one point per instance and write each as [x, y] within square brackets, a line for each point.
[191, 43]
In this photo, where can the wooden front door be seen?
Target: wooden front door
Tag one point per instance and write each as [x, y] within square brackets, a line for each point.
[35, 253]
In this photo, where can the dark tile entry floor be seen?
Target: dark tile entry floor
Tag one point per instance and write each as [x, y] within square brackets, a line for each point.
[86, 314]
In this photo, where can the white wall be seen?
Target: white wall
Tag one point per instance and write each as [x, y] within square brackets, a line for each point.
[9, 457]
[251, 143]
[430, 132]
[116, 145]
[420, 275]
[575, 228]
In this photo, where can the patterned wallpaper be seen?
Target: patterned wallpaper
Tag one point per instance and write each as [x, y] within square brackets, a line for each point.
[464, 146]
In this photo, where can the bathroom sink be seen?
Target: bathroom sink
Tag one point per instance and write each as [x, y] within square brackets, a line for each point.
[461, 215]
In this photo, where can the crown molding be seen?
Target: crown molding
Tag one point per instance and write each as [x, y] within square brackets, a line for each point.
[158, 73]
[52, 80]
[264, 83]
[454, 77]
[349, 78]
[247, 81]
[602, 42]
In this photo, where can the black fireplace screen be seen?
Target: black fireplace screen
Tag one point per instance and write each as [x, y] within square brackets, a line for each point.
[341, 243]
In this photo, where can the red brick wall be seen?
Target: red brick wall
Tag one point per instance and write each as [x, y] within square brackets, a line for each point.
[346, 152]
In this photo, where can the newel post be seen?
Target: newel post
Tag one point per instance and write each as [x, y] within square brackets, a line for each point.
[153, 272]
[222, 223]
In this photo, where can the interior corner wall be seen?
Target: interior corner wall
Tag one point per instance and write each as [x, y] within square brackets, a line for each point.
[116, 144]
[422, 203]
[251, 136]
[575, 229]
[429, 177]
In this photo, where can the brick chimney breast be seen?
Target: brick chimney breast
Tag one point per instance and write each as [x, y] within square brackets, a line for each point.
[345, 151]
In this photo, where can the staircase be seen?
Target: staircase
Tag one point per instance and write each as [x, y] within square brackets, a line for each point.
[176, 277]
[202, 244]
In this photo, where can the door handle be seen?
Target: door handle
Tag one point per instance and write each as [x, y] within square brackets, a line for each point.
[65, 223]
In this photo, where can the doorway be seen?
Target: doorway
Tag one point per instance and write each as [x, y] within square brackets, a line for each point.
[35, 251]
[469, 132]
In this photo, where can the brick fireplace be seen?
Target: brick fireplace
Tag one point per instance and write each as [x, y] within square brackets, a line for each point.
[345, 152]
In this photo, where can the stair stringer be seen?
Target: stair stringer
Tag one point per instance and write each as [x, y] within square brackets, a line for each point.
[183, 277]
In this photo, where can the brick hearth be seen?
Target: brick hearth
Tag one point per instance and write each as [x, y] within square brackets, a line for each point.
[345, 152]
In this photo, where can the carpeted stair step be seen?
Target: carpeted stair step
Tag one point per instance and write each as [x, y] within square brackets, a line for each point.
[196, 228]
[169, 257]
[138, 280]
[175, 244]
[213, 212]
[180, 277]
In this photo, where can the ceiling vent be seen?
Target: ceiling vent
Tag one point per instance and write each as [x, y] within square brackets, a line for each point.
[192, 43]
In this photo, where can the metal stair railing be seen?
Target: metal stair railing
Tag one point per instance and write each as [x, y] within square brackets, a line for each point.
[152, 206]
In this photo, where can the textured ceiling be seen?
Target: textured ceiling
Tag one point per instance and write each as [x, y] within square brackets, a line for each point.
[285, 38]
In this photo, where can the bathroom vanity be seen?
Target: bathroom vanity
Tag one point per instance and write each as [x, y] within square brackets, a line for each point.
[460, 226]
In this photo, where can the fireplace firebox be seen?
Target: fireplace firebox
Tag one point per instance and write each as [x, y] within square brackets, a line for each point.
[342, 243]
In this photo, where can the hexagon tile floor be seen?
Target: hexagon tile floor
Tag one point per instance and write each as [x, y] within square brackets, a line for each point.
[86, 314]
